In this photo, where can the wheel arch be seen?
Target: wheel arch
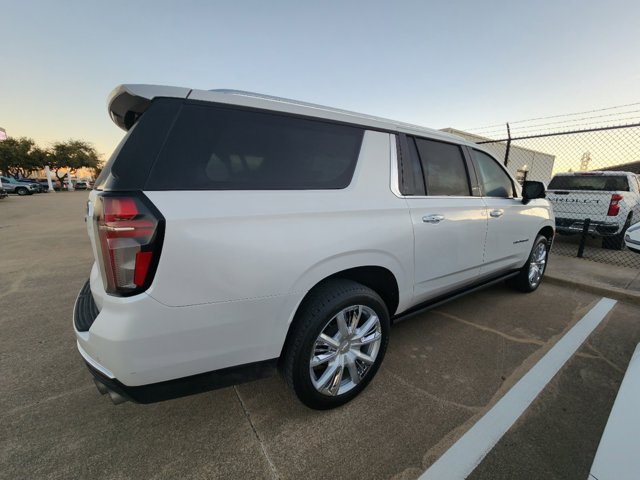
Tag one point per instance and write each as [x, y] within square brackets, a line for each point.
[373, 268]
[548, 232]
[379, 278]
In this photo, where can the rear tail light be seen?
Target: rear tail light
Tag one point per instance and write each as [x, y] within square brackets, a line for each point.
[614, 208]
[130, 232]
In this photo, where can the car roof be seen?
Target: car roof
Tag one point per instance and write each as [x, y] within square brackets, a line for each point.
[135, 98]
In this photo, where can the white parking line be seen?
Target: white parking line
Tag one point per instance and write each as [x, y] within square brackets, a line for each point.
[467, 453]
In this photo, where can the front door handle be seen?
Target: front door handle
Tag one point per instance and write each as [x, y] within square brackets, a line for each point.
[435, 218]
[496, 213]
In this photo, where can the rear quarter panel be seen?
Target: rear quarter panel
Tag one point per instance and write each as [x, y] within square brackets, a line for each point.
[223, 246]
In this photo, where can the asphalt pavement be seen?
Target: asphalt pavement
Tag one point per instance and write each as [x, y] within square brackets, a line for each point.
[443, 371]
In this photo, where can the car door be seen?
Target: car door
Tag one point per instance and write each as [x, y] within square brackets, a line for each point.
[7, 185]
[511, 224]
[449, 222]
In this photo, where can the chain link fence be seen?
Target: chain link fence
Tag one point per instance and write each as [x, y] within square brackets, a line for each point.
[592, 180]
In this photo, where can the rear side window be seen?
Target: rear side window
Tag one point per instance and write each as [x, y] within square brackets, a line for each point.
[217, 148]
[590, 182]
[444, 168]
[106, 171]
[493, 179]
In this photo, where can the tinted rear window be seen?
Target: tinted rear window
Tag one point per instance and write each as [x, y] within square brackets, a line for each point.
[444, 168]
[130, 164]
[590, 182]
[218, 148]
[103, 178]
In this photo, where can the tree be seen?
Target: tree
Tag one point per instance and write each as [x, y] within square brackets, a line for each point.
[39, 158]
[71, 155]
[20, 157]
[98, 169]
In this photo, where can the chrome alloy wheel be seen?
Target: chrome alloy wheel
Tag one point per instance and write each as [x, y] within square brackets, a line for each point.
[537, 264]
[345, 350]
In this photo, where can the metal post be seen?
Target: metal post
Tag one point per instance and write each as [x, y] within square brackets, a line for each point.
[583, 237]
[506, 154]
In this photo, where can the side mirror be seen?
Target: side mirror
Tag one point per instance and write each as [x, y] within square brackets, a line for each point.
[532, 190]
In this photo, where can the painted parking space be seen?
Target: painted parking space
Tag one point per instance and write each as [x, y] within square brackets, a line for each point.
[465, 455]
[558, 435]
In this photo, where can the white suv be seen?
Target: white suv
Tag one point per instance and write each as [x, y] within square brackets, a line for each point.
[235, 233]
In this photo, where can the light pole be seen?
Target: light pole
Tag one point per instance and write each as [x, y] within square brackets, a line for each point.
[525, 170]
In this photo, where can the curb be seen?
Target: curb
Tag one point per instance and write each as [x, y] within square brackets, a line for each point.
[597, 288]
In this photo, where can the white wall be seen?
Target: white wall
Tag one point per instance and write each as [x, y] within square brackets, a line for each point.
[540, 165]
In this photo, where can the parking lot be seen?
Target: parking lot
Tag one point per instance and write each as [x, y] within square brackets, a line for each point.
[443, 371]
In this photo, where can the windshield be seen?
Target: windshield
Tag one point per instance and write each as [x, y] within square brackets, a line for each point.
[605, 183]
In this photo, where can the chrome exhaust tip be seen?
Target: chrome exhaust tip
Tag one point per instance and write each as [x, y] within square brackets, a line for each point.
[101, 387]
[116, 398]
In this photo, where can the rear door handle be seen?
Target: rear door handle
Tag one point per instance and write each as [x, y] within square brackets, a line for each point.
[435, 218]
[496, 213]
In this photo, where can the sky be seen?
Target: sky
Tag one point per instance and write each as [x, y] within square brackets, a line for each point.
[458, 64]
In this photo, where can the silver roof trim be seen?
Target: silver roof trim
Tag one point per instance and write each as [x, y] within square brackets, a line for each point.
[135, 98]
[340, 111]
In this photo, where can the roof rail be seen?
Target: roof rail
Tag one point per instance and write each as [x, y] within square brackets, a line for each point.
[273, 98]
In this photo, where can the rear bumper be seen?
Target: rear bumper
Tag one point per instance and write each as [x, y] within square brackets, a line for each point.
[85, 314]
[180, 387]
[571, 225]
[146, 351]
[85, 310]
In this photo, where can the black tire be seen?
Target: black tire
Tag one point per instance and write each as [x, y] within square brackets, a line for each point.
[315, 314]
[616, 242]
[22, 191]
[522, 281]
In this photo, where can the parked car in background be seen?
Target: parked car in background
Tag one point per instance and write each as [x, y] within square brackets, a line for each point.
[609, 199]
[632, 238]
[39, 188]
[11, 185]
[77, 184]
[44, 183]
[294, 236]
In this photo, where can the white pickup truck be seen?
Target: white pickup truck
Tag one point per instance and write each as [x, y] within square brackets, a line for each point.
[609, 199]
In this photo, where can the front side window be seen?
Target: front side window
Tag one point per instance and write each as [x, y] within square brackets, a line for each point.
[217, 148]
[493, 179]
[444, 168]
